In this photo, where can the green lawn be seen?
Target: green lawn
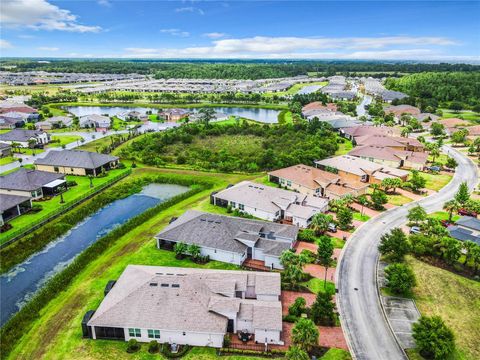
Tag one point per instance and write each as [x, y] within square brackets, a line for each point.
[464, 114]
[442, 159]
[336, 354]
[64, 140]
[398, 199]
[56, 334]
[456, 299]
[443, 215]
[51, 206]
[7, 160]
[360, 217]
[295, 88]
[97, 144]
[344, 148]
[317, 285]
[436, 181]
[264, 180]
[28, 151]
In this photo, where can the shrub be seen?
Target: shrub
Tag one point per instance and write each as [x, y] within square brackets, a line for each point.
[153, 347]
[400, 278]
[307, 235]
[433, 338]
[226, 341]
[121, 165]
[290, 318]
[71, 183]
[166, 351]
[5, 227]
[132, 346]
[298, 307]
[36, 208]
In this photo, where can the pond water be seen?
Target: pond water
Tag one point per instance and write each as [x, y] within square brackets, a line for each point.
[24, 280]
[262, 115]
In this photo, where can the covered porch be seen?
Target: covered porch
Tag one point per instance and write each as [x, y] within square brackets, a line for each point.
[54, 187]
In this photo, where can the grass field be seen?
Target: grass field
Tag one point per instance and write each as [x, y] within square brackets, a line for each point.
[57, 332]
[360, 217]
[464, 114]
[436, 181]
[443, 215]
[64, 140]
[456, 299]
[317, 285]
[398, 199]
[7, 160]
[344, 148]
[50, 206]
[295, 88]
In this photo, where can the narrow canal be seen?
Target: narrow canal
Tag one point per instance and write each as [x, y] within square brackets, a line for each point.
[24, 280]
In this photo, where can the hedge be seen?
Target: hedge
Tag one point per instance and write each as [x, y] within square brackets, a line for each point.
[21, 322]
[30, 244]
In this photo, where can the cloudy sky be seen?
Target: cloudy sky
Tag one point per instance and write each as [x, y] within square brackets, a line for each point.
[398, 30]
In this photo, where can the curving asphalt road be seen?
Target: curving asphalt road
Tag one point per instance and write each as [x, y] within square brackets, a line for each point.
[366, 329]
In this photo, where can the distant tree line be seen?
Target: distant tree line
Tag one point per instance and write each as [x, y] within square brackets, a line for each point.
[235, 69]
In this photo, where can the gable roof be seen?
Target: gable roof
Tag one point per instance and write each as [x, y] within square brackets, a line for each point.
[9, 201]
[387, 153]
[75, 159]
[20, 135]
[453, 122]
[365, 130]
[144, 297]
[307, 176]
[227, 233]
[27, 180]
[402, 109]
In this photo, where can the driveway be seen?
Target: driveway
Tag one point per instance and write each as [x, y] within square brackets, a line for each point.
[367, 331]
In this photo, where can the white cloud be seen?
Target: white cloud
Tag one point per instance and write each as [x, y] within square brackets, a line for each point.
[175, 32]
[4, 44]
[105, 3]
[215, 35]
[25, 36]
[40, 15]
[48, 48]
[190, 9]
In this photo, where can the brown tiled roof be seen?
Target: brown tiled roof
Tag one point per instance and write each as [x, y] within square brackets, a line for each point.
[402, 109]
[307, 176]
[453, 122]
[318, 105]
[365, 130]
[387, 153]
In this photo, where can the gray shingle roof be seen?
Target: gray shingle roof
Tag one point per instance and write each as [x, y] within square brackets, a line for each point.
[76, 159]
[19, 135]
[9, 201]
[220, 232]
[193, 305]
[27, 180]
[469, 222]
[463, 234]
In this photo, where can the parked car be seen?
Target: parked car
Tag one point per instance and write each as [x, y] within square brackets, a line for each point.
[332, 227]
[447, 223]
[415, 230]
[434, 168]
[466, 212]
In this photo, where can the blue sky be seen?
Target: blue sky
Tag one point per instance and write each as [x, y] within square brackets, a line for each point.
[397, 30]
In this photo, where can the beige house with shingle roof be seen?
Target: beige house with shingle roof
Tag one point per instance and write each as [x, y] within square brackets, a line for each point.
[190, 306]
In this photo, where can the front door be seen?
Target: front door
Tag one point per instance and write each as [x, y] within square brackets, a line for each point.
[249, 252]
[230, 326]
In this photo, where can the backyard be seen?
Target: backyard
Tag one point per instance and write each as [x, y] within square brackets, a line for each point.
[453, 297]
[52, 206]
[436, 181]
[64, 140]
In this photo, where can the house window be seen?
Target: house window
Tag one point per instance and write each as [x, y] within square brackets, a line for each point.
[233, 204]
[55, 168]
[241, 206]
[34, 193]
[317, 190]
[289, 183]
[153, 334]
[134, 332]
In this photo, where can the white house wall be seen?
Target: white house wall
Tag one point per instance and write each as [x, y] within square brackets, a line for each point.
[273, 261]
[269, 336]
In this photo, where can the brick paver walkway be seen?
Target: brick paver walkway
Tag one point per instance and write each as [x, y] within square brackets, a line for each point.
[366, 211]
[329, 336]
[302, 245]
[318, 271]
[288, 298]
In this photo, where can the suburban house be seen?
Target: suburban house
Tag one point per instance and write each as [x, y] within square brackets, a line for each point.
[473, 132]
[466, 228]
[365, 130]
[188, 306]
[453, 124]
[399, 110]
[270, 203]
[5, 150]
[31, 113]
[309, 180]
[24, 137]
[230, 239]
[54, 122]
[12, 206]
[132, 115]
[390, 156]
[7, 122]
[99, 122]
[352, 168]
[394, 142]
[174, 115]
[33, 183]
[76, 162]
[318, 108]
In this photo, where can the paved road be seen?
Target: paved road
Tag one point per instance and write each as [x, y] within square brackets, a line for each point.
[361, 111]
[366, 329]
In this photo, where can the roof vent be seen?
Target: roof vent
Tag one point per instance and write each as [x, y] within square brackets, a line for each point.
[175, 285]
[164, 285]
[153, 284]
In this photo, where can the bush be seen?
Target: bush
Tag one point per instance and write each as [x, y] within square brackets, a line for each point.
[36, 208]
[132, 346]
[153, 347]
[166, 351]
[400, 278]
[71, 183]
[5, 227]
[307, 235]
[121, 165]
[290, 318]
[433, 338]
[226, 341]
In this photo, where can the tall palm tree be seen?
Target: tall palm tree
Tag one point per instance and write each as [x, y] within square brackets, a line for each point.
[451, 206]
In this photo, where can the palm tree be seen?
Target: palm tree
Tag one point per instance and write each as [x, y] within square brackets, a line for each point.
[305, 334]
[194, 250]
[180, 249]
[451, 206]
[320, 223]
[435, 152]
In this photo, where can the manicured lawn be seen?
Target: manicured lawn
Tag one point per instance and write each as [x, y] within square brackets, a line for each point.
[56, 334]
[264, 180]
[436, 181]
[317, 285]
[398, 199]
[465, 114]
[344, 148]
[453, 297]
[7, 160]
[443, 215]
[64, 140]
[336, 354]
[97, 144]
[442, 159]
[51, 206]
[360, 217]
[28, 151]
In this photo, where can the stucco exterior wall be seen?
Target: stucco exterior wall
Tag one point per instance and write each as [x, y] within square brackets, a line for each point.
[190, 338]
[62, 170]
[269, 336]
[273, 261]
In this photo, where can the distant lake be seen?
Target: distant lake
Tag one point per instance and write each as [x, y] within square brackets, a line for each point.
[261, 115]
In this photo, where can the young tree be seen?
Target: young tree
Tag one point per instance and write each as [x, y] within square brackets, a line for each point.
[206, 115]
[292, 267]
[180, 248]
[433, 338]
[417, 214]
[296, 353]
[305, 334]
[298, 307]
[459, 136]
[451, 163]
[391, 183]
[469, 248]
[434, 153]
[400, 278]
[324, 254]
[451, 206]
[320, 223]
[379, 198]
[344, 218]
[437, 129]
[463, 194]
[417, 181]
[322, 311]
[451, 249]
[394, 244]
